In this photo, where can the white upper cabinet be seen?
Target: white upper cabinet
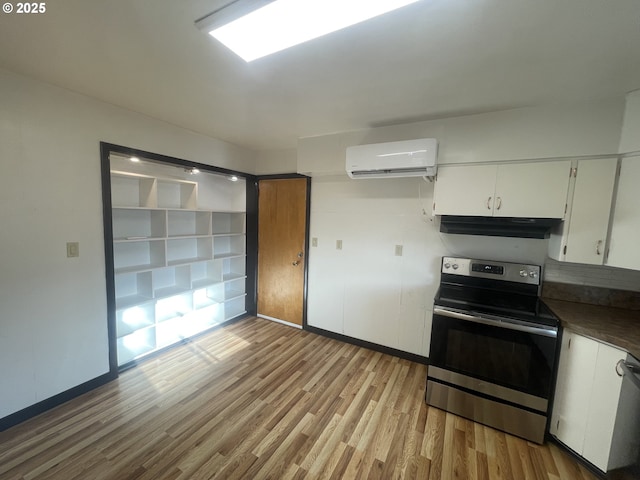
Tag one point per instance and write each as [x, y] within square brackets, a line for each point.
[465, 190]
[533, 190]
[583, 236]
[625, 229]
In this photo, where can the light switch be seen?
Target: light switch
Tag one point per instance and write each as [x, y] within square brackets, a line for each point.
[398, 250]
[338, 244]
[314, 242]
[73, 249]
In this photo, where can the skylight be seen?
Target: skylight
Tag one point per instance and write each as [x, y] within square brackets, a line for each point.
[284, 23]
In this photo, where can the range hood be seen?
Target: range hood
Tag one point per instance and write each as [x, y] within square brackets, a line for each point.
[498, 226]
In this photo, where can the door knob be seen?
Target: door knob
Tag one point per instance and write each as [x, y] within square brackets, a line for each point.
[296, 263]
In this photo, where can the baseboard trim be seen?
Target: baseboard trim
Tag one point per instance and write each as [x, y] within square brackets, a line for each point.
[52, 402]
[578, 458]
[277, 320]
[370, 345]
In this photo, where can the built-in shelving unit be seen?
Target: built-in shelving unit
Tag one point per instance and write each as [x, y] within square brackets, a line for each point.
[179, 269]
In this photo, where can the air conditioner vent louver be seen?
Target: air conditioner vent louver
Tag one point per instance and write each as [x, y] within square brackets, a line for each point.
[410, 158]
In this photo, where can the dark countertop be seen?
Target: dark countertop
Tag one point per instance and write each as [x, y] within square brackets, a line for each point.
[619, 327]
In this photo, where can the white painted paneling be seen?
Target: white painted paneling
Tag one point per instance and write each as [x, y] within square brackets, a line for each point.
[630, 137]
[53, 308]
[519, 134]
[325, 297]
[625, 229]
[364, 290]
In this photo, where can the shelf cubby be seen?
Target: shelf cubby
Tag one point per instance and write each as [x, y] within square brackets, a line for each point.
[206, 273]
[188, 250]
[209, 316]
[234, 308]
[139, 255]
[133, 288]
[233, 268]
[133, 190]
[136, 344]
[202, 298]
[174, 307]
[138, 223]
[134, 318]
[171, 281]
[225, 223]
[177, 194]
[234, 289]
[183, 223]
[228, 246]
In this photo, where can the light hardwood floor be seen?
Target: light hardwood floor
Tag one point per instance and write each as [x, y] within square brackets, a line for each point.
[262, 400]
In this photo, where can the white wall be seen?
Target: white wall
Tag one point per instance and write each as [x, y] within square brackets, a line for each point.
[270, 162]
[53, 317]
[364, 290]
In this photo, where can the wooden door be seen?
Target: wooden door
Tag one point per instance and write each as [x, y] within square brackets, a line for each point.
[282, 218]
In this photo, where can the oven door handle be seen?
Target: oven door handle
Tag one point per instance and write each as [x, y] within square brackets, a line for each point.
[495, 322]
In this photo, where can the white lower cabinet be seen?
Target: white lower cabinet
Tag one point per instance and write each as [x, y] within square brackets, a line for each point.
[586, 400]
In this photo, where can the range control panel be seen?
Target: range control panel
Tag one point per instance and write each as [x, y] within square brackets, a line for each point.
[507, 271]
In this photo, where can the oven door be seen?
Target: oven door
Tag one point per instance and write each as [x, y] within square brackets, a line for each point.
[505, 359]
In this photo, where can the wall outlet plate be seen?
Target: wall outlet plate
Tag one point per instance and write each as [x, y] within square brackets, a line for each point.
[73, 249]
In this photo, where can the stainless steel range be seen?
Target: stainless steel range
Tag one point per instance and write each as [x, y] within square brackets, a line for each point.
[493, 346]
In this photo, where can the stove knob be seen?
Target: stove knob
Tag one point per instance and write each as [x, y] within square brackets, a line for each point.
[523, 273]
[455, 266]
[447, 265]
[533, 274]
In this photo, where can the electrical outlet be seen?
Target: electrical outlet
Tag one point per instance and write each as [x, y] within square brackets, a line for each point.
[73, 249]
[314, 242]
[398, 250]
[338, 244]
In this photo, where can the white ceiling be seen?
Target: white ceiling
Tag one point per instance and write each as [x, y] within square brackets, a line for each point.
[432, 59]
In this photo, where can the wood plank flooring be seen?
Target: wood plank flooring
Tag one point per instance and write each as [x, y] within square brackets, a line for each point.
[261, 400]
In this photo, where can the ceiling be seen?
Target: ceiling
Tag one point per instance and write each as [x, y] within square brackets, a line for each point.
[432, 59]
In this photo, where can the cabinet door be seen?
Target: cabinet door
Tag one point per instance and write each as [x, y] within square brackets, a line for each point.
[532, 189]
[573, 390]
[604, 405]
[624, 251]
[465, 190]
[590, 211]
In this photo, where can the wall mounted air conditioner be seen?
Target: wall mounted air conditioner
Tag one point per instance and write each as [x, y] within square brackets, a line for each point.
[410, 158]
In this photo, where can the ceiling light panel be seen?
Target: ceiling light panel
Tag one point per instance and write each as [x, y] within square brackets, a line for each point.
[284, 23]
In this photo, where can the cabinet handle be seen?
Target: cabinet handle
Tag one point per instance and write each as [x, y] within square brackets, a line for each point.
[489, 203]
[499, 201]
[296, 263]
[598, 245]
[629, 370]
